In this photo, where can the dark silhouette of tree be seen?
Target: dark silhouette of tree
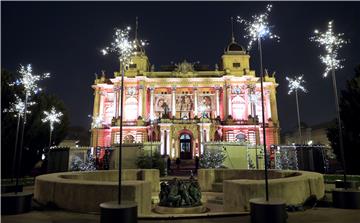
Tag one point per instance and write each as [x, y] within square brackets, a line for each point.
[36, 136]
[350, 116]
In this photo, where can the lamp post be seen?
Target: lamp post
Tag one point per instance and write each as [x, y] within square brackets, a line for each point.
[52, 117]
[124, 48]
[332, 42]
[20, 202]
[295, 85]
[263, 209]
[17, 107]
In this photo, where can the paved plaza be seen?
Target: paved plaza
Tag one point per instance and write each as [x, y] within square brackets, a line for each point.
[316, 215]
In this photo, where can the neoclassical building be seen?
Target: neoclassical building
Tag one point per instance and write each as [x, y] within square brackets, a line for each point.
[186, 105]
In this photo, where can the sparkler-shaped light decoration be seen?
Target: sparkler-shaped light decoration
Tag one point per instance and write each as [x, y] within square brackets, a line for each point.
[18, 107]
[52, 117]
[29, 80]
[296, 84]
[258, 27]
[332, 42]
[122, 46]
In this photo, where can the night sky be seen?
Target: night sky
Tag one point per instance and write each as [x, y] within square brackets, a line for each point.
[64, 38]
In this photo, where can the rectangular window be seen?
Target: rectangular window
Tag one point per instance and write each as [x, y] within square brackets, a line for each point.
[236, 65]
[132, 66]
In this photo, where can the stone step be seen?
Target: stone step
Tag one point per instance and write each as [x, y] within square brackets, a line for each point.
[215, 201]
[217, 187]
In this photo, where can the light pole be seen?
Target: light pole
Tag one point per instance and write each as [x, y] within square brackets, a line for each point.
[332, 42]
[295, 85]
[263, 210]
[18, 107]
[52, 117]
[124, 48]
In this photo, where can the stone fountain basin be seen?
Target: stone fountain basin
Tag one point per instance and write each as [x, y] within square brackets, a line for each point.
[84, 191]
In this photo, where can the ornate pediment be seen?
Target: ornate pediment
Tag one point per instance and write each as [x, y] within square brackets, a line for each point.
[184, 68]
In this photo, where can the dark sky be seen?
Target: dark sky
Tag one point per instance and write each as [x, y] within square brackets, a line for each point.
[64, 38]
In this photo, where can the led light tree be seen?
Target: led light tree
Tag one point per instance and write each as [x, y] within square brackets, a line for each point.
[295, 85]
[18, 108]
[256, 29]
[28, 81]
[52, 117]
[124, 48]
[332, 42]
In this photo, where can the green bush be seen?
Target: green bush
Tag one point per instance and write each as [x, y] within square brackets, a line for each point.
[144, 161]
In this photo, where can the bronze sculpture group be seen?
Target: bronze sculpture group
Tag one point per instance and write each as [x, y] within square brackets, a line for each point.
[180, 193]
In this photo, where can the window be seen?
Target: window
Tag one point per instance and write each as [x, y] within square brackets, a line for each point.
[132, 66]
[236, 65]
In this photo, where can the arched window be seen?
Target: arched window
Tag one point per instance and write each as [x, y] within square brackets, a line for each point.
[240, 137]
[131, 109]
[129, 139]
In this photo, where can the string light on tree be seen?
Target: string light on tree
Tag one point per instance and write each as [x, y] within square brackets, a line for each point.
[52, 117]
[331, 42]
[258, 27]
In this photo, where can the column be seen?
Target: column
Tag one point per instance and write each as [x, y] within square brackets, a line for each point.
[228, 89]
[140, 95]
[116, 100]
[168, 142]
[173, 105]
[162, 148]
[151, 102]
[196, 112]
[224, 106]
[96, 102]
[268, 106]
[217, 101]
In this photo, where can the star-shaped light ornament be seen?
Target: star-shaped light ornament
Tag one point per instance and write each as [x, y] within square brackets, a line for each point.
[296, 84]
[331, 42]
[52, 117]
[258, 27]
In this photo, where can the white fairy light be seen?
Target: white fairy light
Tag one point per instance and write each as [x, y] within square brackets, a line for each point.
[122, 46]
[332, 42]
[18, 107]
[258, 27]
[52, 117]
[96, 121]
[29, 80]
[296, 84]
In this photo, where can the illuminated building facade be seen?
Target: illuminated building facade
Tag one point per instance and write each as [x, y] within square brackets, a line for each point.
[185, 105]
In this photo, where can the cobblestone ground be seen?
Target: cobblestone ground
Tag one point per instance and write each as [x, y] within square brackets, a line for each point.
[316, 215]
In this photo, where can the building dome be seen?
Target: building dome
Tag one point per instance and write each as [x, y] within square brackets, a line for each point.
[233, 46]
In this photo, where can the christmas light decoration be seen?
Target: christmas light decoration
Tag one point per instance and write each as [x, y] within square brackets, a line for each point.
[296, 84]
[52, 117]
[18, 107]
[332, 42]
[258, 27]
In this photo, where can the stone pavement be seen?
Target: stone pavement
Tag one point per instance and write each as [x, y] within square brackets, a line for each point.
[316, 215]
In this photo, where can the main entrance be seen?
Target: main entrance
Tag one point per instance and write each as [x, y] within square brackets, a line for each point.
[185, 146]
